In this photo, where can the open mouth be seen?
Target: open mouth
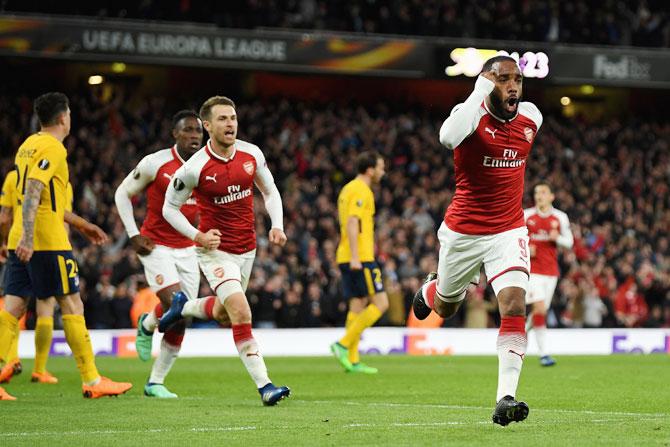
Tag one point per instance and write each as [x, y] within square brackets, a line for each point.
[511, 104]
[195, 144]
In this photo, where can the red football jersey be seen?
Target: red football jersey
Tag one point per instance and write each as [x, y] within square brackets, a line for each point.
[154, 173]
[224, 192]
[490, 156]
[540, 226]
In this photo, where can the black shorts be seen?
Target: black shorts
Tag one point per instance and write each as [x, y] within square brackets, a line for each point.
[361, 283]
[47, 274]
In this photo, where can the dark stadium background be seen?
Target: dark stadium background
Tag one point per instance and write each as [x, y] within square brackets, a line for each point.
[604, 145]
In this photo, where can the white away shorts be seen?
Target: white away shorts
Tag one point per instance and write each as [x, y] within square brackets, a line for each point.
[505, 257]
[166, 266]
[541, 288]
[226, 273]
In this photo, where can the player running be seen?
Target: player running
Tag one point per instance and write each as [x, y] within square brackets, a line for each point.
[491, 134]
[361, 276]
[43, 308]
[40, 261]
[548, 229]
[221, 176]
[169, 259]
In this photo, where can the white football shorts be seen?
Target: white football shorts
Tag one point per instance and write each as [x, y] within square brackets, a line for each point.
[505, 257]
[226, 273]
[541, 288]
[166, 266]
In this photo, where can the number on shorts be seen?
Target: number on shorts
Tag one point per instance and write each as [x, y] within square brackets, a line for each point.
[378, 276]
[524, 247]
[72, 266]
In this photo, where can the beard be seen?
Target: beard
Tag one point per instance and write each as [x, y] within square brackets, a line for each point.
[499, 108]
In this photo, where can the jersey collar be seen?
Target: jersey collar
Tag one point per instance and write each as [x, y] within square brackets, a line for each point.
[213, 154]
[176, 154]
[546, 214]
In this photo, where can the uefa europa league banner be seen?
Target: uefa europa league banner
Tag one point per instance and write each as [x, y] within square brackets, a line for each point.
[80, 39]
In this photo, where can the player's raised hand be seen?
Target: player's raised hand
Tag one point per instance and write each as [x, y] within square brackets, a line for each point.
[24, 251]
[142, 245]
[210, 240]
[490, 75]
[278, 237]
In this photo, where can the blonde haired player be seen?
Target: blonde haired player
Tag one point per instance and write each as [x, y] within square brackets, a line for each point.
[548, 230]
[362, 281]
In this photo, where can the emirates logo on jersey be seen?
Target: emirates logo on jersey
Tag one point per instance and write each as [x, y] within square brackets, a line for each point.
[528, 132]
[248, 167]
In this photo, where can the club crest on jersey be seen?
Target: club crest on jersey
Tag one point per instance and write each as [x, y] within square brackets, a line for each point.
[528, 132]
[159, 279]
[218, 272]
[248, 167]
[43, 164]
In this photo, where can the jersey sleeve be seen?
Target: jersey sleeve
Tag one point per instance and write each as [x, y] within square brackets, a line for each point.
[531, 111]
[565, 239]
[265, 183]
[465, 117]
[527, 213]
[358, 203]
[7, 198]
[135, 182]
[49, 159]
[183, 182]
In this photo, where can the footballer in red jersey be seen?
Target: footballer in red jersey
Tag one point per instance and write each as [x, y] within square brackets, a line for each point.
[549, 230]
[491, 135]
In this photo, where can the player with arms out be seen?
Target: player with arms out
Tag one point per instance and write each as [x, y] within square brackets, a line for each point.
[548, 229]
[362, 281]
[40, 261]
[221, 176]
[491, 134]
[169, 259]
[43, 308]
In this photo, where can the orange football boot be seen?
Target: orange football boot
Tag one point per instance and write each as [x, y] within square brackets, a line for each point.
[4, 395]
[45, 377]
[106, 387]
[11, 369]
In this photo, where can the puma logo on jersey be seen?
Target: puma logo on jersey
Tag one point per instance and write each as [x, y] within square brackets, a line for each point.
[251, 354]
[211, 177]
[492, 132]
[165, 174]
[520, 355]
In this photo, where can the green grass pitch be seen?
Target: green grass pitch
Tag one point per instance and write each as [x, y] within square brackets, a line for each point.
[589, 401]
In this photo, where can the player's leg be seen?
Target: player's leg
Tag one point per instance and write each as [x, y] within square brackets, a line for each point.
[44, 328]
[228, 275]
[14, 309]
[541, 291]
[459, 265]
[506, 267]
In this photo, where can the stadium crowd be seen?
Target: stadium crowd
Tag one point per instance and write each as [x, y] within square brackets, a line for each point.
[611, 22]
[612, 179]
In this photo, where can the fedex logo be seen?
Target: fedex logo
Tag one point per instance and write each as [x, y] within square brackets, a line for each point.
[622, 345]
[120, 346]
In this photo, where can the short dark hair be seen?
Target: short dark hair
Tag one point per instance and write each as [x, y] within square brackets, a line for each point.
[488, 65]
[543, 183]
[48, 106]
[366, 160]
[186, 113]
[206, 109]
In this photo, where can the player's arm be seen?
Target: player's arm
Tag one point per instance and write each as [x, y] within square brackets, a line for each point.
[177, 194]
[91, 231]
[31, 200]
[462, 122]
[273, 204]
[353, 228]
[565, 238]
[132, 185]
[6, 218]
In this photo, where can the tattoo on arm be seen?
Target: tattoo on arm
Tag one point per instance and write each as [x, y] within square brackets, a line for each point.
[31, 201]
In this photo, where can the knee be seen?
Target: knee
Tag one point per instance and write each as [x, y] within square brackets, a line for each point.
[381, 300]
[237, 309]
[512, 302]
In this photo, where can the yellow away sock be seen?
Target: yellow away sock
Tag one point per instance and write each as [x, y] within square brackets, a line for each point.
[353, 348]
[77, 337]
[44, 329]
[364, 320]
[9, 331]
[14, 348]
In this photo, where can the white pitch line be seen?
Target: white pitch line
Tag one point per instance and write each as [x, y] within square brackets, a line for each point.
[119, 432]
[472, 407]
